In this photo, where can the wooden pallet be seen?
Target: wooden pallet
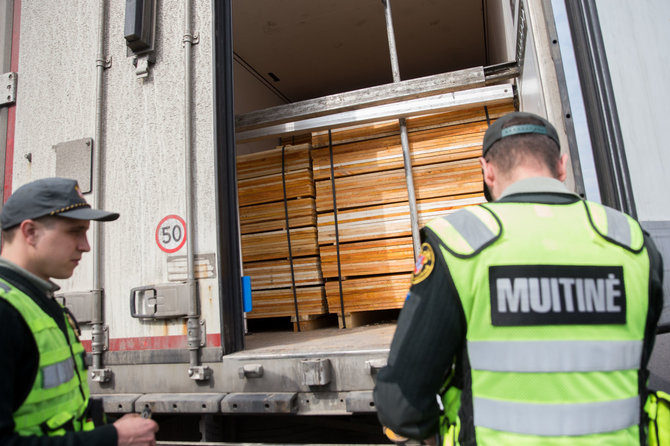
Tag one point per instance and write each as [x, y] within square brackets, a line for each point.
[368, 317]
[369, 257]
[386, 220]
[277, 273]
[272, 216]
[269, 162]
[274, 244]
[391, 127]
[264, 234]
[378, 188]
[381, 154]
[280, 302]
[270, 188]
[312, 322]
[368, 293]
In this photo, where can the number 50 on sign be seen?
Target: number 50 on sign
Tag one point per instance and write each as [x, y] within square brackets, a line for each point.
[171, 233]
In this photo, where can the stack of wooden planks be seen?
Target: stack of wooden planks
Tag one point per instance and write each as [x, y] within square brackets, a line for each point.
[270, 184]
[373, 239]
[373, 217]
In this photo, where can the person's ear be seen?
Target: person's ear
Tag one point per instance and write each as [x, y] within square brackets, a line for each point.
[563, 167]
[29, 231]
[488, 171]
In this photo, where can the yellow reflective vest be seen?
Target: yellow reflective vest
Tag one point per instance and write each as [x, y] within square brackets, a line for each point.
[59, 396]
[556, 300]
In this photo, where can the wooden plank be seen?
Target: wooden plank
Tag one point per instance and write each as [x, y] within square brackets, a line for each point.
[312, 322]
[426, 147]
[362, 190]
[277, 273]
[448, 179]
[294, 140]
[369, 293]
[430, 181]
[382, 94]
[389, 220]
[373, 257]
[279, 302]
[439, 207]
[372, 222]
[417, 123]
[271, 216]
[269, 188]
[274, 244]
[269, 162]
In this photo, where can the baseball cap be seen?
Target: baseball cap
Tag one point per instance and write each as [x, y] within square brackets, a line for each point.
[499, 130]
[49, 196]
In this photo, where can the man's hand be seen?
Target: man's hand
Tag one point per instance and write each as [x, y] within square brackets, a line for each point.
[135, 430]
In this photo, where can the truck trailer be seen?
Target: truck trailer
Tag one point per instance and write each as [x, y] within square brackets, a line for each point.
[273, 161]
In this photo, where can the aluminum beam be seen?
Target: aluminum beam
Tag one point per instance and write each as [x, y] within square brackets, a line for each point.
[366, 97]
[491, 95]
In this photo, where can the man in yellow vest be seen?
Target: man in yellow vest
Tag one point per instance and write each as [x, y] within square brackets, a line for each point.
[532, 317]
[43, 385]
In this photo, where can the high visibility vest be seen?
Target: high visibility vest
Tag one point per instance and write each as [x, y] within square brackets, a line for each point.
[556, 299]
[59, 397]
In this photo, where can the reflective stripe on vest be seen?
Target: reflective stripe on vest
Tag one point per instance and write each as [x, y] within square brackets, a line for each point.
[555, 356]
[617, 226]
[557, 419]
[56, 374]
[469, 225]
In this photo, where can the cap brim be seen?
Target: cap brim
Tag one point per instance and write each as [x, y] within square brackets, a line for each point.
[89, 214]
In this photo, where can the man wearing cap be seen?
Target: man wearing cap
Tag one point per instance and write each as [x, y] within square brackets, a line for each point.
[44, 393]
[532, 316]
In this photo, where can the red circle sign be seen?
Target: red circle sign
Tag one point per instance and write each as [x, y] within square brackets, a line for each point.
[171, 233]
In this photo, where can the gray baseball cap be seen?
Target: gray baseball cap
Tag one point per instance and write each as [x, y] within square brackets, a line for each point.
[49, 196]
[500, 129]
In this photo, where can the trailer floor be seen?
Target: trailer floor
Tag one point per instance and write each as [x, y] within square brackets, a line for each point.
[324, 340]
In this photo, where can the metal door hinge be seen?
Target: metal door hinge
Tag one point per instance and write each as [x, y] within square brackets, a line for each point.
[82, 304]
[8, 85]
[200, 373]
[100, 375]
[193, 39]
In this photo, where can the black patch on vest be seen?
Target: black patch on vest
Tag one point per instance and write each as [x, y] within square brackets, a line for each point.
[557, 295]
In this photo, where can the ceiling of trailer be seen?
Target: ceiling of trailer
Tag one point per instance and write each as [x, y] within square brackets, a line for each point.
[305, 49]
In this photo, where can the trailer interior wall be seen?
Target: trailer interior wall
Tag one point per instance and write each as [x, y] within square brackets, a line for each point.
[500, 31]
[538, 87]
[252, 92]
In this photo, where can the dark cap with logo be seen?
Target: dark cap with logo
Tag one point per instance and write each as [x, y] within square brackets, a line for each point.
[499, 129]
[49, 197]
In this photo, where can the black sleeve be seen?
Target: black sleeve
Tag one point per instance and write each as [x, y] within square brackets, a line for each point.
[18, 366]
[655, 293]
[431, 330]
[655, 279]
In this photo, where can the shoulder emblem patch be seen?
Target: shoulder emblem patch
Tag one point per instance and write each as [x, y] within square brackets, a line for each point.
[424, 264]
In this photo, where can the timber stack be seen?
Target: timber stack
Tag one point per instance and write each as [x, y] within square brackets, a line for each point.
[278, 232]
[373, 239]
[351, 249]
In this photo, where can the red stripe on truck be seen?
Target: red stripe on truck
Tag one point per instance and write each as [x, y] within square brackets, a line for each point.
[11, 110]
[154, 343]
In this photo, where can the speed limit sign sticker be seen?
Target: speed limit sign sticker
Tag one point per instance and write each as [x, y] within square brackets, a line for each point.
[171, 233]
